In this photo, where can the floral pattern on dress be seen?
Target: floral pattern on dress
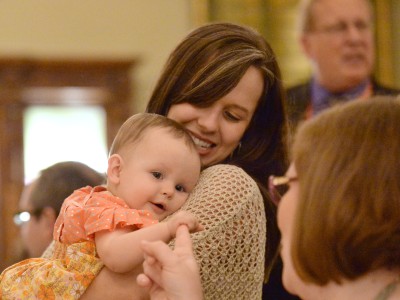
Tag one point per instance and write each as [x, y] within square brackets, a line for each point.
[40, 278]
[75, 263]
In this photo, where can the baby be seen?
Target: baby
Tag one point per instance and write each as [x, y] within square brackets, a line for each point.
[152, 168]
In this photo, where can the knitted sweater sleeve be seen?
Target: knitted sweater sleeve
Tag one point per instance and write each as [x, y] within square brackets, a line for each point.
[231, 249]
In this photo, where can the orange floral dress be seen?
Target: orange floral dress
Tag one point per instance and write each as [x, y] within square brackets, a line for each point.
[75, 263]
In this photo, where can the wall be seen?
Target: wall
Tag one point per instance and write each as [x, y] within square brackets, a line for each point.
[145, 30]
[395, 10]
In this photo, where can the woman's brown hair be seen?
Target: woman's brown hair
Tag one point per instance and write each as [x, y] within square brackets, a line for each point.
[348, 166]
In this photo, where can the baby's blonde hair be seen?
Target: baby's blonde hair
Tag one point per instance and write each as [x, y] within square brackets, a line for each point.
[136, 126]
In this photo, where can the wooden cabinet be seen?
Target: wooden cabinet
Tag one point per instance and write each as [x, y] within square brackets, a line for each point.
[25, 82]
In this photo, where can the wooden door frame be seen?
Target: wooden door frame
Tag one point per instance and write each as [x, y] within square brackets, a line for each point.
[20, 79]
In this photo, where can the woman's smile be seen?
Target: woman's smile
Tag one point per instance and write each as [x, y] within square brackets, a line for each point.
[203, 146]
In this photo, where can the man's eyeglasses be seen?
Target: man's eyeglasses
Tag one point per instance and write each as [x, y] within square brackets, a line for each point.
[341, 28]
[278, 186]
[22, 217]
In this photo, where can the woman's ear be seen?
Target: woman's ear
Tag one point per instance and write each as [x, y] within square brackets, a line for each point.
[47, 219]
[49, 215]
[115, 163]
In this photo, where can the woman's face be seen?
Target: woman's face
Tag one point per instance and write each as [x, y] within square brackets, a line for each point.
[286, 213]
[218, 128]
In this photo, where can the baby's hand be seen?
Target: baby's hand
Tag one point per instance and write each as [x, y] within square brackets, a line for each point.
[184, 218]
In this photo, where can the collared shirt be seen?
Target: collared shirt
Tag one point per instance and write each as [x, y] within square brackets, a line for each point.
[321, 98]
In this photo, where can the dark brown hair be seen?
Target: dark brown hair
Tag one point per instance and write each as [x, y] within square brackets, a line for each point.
[58, 181]
[206, 66]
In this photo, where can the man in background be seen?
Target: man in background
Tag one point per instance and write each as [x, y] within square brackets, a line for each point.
[337, 37]
[41, 202]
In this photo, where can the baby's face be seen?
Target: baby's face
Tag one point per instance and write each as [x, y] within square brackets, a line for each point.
[158, 173]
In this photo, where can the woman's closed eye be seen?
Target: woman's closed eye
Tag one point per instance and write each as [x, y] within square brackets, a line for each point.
[232, 117]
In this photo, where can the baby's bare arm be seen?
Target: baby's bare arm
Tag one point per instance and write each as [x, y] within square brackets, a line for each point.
[120, 250]
[112, 285]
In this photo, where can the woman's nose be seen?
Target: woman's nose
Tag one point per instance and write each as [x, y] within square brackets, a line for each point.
[208, 120]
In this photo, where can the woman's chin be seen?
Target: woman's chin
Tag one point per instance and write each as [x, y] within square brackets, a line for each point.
[289, 279]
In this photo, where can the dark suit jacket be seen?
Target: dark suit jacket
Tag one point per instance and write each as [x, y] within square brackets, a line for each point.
[299, 98]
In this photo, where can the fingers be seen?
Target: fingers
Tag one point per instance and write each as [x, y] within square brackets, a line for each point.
[195, 226]
[199, 227]
[159, 251]
[144, 281]
[183, 240]
[149, 259]
[153, 271]
[157, 255]
[185, 218]
[164, 269]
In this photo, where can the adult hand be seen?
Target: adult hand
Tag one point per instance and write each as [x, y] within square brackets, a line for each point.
[172, 275]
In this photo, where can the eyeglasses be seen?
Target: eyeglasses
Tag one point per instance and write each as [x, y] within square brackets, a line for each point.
[22, 217]
[341, 28]
[278, 186]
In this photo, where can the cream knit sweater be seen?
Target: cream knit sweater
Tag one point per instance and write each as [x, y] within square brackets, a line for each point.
[231, 249]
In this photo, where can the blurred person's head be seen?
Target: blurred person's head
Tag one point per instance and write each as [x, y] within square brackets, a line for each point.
[339, 219]
[337, 38]
[41, 201]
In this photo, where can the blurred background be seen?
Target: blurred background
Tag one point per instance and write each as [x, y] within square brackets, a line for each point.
[72, 71]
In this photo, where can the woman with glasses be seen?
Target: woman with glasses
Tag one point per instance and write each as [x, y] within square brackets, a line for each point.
[340, 217]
